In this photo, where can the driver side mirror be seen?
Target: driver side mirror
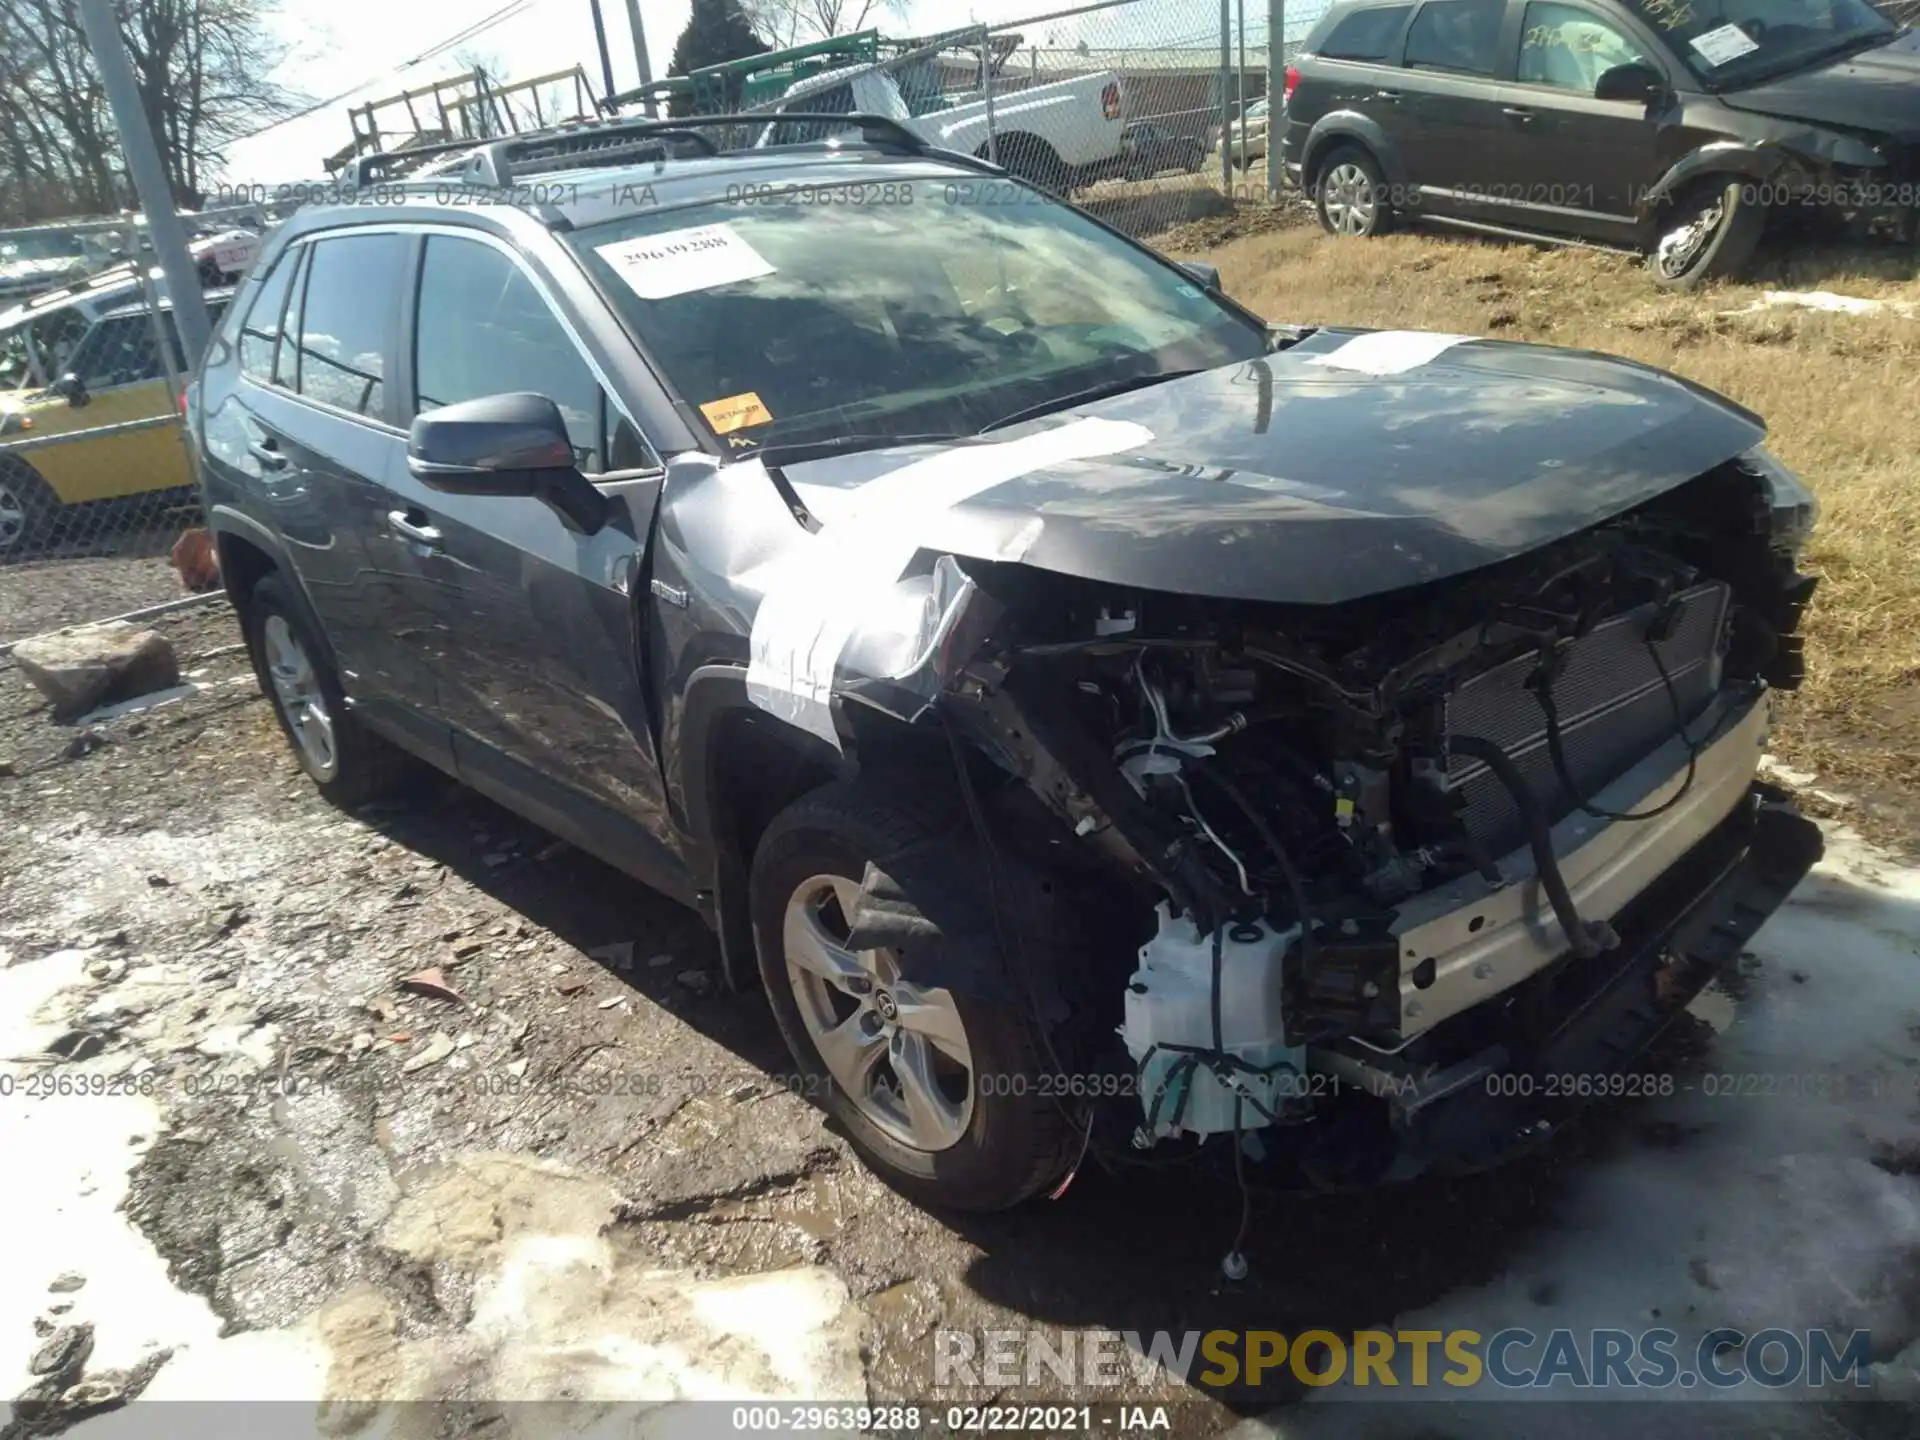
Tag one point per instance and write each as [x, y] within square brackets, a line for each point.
[71, 388]
[1200, 270]
[1634, 81]
[505, 445]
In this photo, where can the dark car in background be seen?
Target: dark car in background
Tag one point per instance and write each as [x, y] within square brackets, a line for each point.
[1678, 128]
[1100, 719]
[1149, 148]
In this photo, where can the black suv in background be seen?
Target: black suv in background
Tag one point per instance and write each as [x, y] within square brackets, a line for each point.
[1100, 719]
[1675, 127]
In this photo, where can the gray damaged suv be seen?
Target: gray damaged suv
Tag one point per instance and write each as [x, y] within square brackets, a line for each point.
[1100, 721]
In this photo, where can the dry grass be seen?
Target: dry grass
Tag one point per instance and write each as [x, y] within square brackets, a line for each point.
[1841, 395]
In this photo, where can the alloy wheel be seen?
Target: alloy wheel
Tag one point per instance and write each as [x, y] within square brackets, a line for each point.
[296, 685]
[898, 1050]
[1681, 246]
[1347, 194]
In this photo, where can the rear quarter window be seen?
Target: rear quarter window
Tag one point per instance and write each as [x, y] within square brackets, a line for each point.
[1365, 34]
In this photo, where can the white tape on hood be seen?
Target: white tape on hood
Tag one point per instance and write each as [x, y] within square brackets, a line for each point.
[839, 576]
[1388, 352]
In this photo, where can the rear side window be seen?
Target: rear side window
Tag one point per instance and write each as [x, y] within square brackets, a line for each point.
[483, 329]
[1462, 35]
[352, 293]
[1366, 34]
[260, 335]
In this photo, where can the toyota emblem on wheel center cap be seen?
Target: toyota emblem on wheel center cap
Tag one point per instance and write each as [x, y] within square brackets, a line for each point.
[883, 1002]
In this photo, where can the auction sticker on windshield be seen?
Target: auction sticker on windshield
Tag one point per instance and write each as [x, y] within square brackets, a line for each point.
[1728, 42]
[658, 267]
[736, 412]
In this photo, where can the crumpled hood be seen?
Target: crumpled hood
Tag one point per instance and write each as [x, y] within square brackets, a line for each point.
[1292, 480]
[1877, 90]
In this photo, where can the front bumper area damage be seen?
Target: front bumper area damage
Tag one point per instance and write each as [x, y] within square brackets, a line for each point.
[1591, 1021]
[1372, 887]
[1483, 941]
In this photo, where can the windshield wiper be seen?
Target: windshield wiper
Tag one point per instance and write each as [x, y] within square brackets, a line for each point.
[793, 452]
[1102, 391]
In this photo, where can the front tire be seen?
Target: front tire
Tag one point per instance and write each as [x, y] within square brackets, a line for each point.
[1708, 233]
[937, 1090]
[1350, 195]
[347, 762]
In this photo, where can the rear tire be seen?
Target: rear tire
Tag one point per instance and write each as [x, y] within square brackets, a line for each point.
[29, 510]
[990, 1138]
[1708, 233]
[1350, 195]
[348, 763]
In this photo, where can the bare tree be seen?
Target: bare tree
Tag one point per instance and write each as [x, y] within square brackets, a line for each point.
[797, 22]
[201, 66]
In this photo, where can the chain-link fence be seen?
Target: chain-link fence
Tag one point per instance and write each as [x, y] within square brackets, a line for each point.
[1149, 113]
[96, 484]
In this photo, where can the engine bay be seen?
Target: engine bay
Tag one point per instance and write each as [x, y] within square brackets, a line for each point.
[1280, 786]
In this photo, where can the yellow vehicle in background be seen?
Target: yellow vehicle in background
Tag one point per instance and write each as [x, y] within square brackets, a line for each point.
[114, 375]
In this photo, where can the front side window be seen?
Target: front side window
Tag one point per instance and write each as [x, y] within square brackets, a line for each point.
[484, 329]
[1366, 34]
[916, 305]
[1461, 35]
[1737, 42]
[352, 292]
[1570, 49]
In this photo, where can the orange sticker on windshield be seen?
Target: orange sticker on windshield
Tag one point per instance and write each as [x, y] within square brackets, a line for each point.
[736, 412]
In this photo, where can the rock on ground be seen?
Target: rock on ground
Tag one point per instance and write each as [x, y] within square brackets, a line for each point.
[81, 668]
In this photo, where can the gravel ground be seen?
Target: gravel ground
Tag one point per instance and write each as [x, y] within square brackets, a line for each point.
[340, 1170]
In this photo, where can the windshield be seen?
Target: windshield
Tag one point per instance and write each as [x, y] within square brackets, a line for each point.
[905, 306]
[1738, 42]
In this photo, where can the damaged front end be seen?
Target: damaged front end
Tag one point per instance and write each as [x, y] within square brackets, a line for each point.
[1405, 875]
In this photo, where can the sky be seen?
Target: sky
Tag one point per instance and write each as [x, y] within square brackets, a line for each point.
[343, 44]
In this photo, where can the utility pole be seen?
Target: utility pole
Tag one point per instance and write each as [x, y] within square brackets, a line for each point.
[640, 60]
[606, 57]
[164, 230]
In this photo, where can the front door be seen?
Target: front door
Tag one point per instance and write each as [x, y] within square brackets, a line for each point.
[1578, 161]
[535, 626]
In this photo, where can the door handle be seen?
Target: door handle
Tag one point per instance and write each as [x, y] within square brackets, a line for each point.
[420, 533]
[1517, 112]
[1391, 97]
[267, 453]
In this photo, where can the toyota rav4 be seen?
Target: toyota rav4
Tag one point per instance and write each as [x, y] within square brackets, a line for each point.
[1100, 720]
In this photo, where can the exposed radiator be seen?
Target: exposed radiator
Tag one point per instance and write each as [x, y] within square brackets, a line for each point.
[1612, 704]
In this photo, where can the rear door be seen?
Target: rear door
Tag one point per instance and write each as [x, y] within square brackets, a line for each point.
[319, 448]
[1457, 144]
[535, 626]
[1578, 161]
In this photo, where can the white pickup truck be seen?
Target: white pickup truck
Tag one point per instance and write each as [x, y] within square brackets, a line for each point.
[1054, 135]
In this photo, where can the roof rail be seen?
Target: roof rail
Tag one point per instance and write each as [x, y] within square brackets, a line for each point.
[493, 165]
[366, 169]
